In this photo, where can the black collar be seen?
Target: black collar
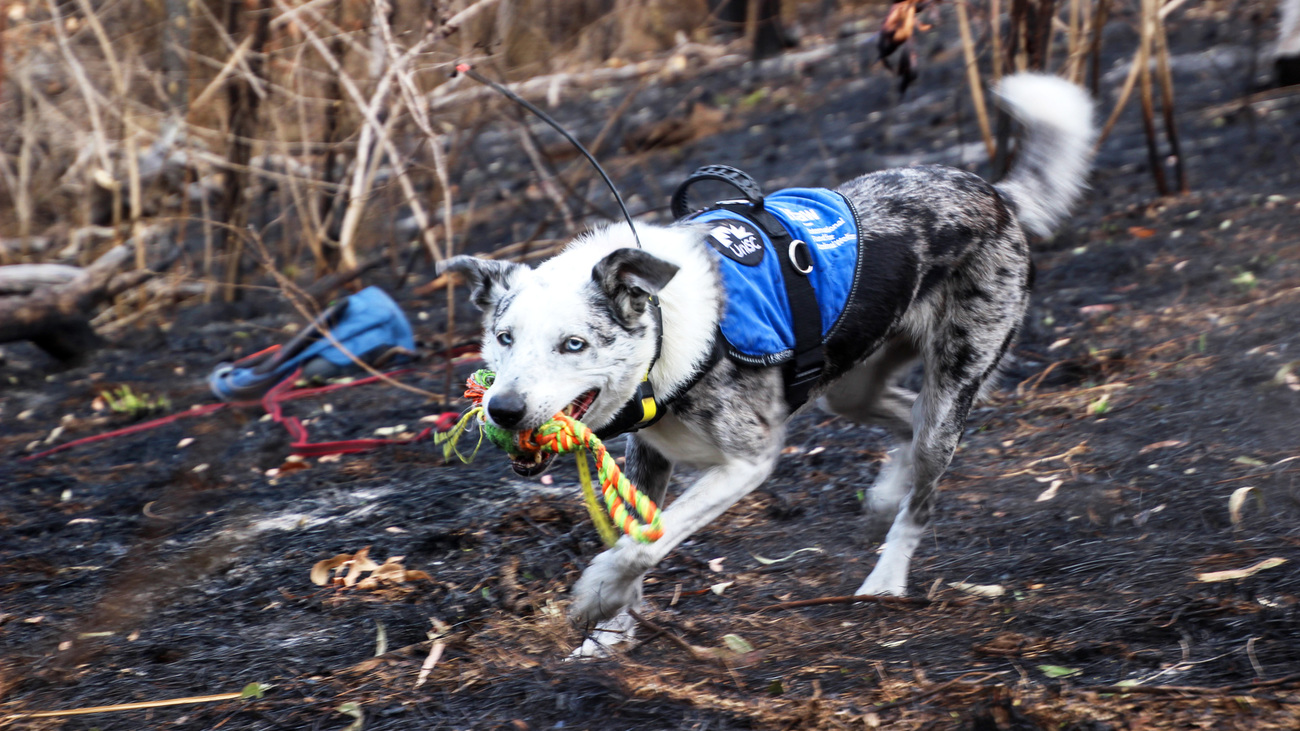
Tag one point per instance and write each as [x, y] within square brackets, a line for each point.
[645, 408]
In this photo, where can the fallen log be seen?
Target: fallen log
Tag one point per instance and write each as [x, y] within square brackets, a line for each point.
[27, 278]
[55, 316]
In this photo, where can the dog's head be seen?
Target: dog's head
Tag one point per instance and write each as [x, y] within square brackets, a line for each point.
[573, 335]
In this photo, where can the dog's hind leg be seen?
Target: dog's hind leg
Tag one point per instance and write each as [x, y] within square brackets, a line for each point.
[960, 355]
[650, 471]
[866, 395]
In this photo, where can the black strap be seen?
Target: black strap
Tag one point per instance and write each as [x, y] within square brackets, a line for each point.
[645, 409]
[803, 370]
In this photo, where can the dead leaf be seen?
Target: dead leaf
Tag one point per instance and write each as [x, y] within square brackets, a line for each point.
[359, 564]
[1089, 310]
[391, 571]
[787, 557]
[1238, 501]
[1286, 376]
[984, 590]
[1161, 445]
[1050, 492]
[737, 644]
[320, 573]
[430, 662]
[719, 588]
[1141, 232]
[1232, 574]
[353, 709]
[293, 466]
[1141, 518]
[715, 564]
[1058, 671]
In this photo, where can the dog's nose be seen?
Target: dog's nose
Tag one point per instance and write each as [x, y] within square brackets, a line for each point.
[506, 409]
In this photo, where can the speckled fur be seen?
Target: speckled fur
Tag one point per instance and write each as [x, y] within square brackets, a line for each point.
[946, 280]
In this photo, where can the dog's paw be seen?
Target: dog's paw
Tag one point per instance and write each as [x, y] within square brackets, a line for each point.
[884, 583]
[608, 586]
[600, 641]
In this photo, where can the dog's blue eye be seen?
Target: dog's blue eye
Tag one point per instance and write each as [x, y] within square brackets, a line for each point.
[505, 338]
[573, 345]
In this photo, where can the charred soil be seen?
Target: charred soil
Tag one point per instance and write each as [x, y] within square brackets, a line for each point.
[1061, 586]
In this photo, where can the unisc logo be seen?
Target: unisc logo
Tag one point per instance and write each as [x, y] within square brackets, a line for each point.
[737, 240]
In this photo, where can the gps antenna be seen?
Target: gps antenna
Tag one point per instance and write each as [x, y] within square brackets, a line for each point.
[464, 68]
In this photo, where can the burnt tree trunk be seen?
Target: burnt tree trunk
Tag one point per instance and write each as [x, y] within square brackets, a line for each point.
[243, 101]
[762, 18]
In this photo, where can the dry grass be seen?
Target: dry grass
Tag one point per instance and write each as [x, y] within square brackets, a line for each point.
[284, 134]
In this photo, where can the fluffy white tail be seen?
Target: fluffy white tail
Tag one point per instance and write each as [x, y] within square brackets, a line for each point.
[1055, 151]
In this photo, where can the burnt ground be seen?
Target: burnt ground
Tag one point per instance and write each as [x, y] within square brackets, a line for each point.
[1093, 488]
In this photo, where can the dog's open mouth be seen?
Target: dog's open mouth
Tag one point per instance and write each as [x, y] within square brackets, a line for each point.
[579, 406]
[532, 464]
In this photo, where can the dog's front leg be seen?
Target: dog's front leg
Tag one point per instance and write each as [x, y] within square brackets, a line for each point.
[612, 583]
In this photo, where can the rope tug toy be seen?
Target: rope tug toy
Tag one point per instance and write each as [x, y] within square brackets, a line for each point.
[560, 435]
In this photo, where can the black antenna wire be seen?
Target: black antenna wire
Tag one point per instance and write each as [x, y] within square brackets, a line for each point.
[469, 71]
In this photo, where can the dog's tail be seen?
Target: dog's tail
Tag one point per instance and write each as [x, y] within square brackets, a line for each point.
[1055, 151]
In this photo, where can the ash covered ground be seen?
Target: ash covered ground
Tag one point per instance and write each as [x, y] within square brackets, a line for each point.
[1156, 376]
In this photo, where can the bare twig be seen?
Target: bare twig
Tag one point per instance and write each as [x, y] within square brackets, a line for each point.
[141, 705]
[1167, 101]
[88, 93]
[1149, 20]
[900, 601]
[973, 79]
[453, 24]
[1234, 688]
[1125, 92]
[545, 177]
[1100, 13]
[995, 39]
[917, 697]
[696, 652]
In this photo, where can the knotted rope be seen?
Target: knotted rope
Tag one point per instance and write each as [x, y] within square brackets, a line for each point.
[560, 435]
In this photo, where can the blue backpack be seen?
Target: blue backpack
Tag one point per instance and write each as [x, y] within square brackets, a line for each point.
[369, 325]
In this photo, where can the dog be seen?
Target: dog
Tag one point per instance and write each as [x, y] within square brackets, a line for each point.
[947, 282]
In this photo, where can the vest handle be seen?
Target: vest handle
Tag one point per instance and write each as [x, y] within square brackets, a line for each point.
[737, 179]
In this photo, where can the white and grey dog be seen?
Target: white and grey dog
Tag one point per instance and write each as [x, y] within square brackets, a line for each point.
[947, 282]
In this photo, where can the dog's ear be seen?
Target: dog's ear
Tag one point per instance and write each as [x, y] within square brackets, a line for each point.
[488, 278]
[628, 277]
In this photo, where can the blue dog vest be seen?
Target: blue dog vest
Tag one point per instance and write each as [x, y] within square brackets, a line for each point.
[757, 323]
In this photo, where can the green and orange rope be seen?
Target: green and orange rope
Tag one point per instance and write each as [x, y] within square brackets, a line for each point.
[561, 435]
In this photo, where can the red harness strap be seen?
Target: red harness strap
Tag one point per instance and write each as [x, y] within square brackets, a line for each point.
[283, 392]
[273, 402]
[134, 428]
